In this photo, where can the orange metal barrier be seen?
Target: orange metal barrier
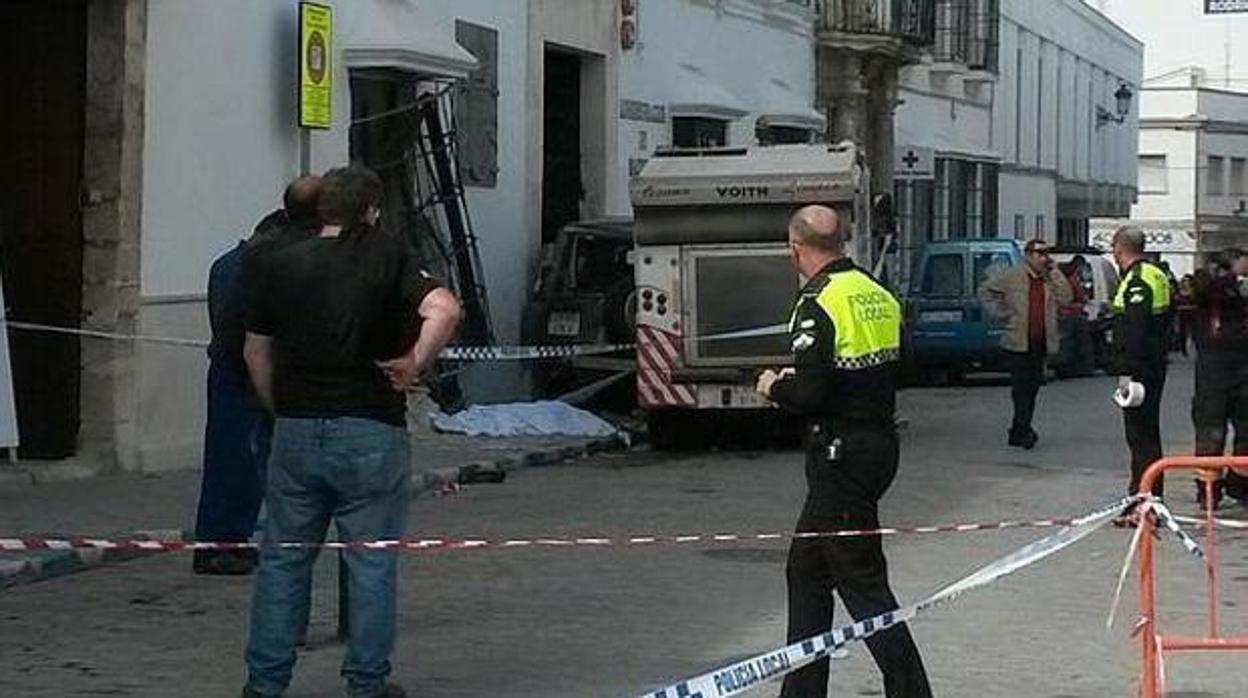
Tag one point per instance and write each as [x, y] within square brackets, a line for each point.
[1155, 643]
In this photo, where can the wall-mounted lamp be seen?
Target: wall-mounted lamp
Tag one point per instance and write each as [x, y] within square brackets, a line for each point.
[1123, 107]
[628, 24]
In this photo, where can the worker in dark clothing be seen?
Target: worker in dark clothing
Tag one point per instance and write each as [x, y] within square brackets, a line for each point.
[1142, 323]
[846, 337]
[238, 430]
[1221, 397]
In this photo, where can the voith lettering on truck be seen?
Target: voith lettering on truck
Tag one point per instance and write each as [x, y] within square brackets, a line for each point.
[742, 192]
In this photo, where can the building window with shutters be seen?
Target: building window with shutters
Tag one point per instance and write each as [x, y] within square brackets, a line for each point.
[1072, 232]
[1154, 174]
[965, 203]
[1215, 177]
[990, 174]
[476, 107]
[1239, 187]
[914, 208]
[967, 32]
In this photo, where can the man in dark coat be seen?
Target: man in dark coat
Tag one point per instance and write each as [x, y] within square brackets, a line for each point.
[238, 431]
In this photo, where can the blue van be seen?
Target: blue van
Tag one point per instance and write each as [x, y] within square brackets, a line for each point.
[946, 326]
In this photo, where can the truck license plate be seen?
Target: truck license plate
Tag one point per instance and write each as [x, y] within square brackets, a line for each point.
[940, 316]
[564, 324]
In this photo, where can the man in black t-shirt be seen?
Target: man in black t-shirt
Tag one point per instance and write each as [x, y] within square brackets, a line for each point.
[341, 325]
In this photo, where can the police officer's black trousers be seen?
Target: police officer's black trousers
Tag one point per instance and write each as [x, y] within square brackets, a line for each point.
[852, 567]
[1222, 398]
[1143, 427]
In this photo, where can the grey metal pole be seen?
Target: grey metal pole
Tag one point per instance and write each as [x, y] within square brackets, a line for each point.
[344, 607]
[305, 151]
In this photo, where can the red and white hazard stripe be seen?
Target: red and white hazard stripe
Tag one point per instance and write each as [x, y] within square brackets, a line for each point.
[657, 354]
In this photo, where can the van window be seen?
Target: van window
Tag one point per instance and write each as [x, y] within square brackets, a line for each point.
[988, 265]
[944, 276]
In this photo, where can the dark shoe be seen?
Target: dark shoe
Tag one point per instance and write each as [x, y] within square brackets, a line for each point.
[1237, 487]
[248, 692]
[224, 562]
[390, 690]
[1025, 440]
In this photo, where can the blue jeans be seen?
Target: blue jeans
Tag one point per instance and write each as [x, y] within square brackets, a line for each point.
[355, 472]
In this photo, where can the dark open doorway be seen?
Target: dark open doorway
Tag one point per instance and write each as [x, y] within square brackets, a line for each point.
[43, 49]
[562, 184]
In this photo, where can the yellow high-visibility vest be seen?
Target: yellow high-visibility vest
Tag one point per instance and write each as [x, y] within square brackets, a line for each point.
[867, 319]
[1154, 278]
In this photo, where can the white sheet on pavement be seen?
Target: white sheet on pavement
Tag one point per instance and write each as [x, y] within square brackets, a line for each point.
[523, 419]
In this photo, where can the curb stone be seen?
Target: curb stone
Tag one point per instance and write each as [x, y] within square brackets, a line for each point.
[42, 565]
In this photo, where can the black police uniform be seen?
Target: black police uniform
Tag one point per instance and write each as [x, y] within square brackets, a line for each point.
[1221, 397]
[845, 388]
[1142, 323]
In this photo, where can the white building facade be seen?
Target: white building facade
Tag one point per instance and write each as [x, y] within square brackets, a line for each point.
[1066, 119]
[716, 73]
[1193, 131]
[947, 165]
[1013, 123]
[1193, 163]
[236, 114]
[192, 135]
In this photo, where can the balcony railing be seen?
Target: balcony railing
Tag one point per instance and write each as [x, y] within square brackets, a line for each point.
[913, 21]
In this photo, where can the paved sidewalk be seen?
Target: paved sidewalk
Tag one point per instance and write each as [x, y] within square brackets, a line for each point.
[72, 501]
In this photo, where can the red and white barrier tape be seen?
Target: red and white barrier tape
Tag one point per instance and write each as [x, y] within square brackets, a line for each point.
[429, 544]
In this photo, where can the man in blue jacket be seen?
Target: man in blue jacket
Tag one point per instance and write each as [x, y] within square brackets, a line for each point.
[238, 431]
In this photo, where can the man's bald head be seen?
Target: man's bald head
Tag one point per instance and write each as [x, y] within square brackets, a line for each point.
[1130, 239]
[301, 198]
[818, 227]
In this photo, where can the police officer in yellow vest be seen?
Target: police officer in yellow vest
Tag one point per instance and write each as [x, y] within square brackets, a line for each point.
[846, 337]
[1142, 321]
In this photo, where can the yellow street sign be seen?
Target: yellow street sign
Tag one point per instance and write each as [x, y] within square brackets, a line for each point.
[316, 76]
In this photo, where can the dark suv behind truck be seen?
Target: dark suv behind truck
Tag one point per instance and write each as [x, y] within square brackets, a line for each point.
[583, 295]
